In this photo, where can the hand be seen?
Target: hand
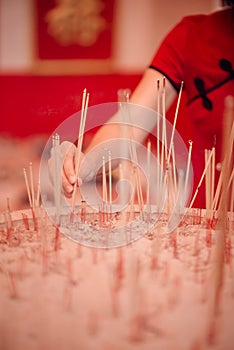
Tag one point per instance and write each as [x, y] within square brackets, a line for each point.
[85, 174]
[68, 153]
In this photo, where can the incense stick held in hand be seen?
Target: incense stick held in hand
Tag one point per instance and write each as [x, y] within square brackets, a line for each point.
[85, 101]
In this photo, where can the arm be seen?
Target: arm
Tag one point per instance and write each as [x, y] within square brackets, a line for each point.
[145, 94]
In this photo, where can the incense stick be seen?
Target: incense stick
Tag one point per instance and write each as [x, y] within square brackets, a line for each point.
[175, 120]
[164, 129]
[158, 177]
[163, 159]
[27, 187]
[38, 195]
[175, 187]
[32, 185]
[110, 178]
[57, 174]
[133, 157]
[227, 163]
[207, 182]
[232, 191]
[149, 177]
[188, 167]
[104, 189]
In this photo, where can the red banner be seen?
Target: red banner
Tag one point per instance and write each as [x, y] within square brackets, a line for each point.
[77, 29]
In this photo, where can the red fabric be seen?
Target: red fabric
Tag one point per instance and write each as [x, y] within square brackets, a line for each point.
[200, 52]
[38, 104]
[194, 50]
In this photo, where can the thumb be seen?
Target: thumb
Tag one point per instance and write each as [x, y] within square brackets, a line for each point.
[86, 172]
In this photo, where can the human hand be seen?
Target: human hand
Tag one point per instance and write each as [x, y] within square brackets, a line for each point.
[69, 173]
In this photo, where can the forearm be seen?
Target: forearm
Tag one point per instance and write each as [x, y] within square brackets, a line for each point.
[145, 95]
[139, 124]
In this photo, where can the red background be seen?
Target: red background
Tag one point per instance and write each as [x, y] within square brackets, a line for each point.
[38, 104]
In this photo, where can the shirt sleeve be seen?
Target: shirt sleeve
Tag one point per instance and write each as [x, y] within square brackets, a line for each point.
[171, 54]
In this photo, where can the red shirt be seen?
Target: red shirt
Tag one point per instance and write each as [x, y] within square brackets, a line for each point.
[200, 52]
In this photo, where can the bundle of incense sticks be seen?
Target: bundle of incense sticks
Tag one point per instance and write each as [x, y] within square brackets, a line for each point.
[84, 109]
[166, 173]
[165, 155]
[34, 202]
[127, 133]
[165, 152]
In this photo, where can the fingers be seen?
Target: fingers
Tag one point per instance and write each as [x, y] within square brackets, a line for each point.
[68, 171]
[68, 157]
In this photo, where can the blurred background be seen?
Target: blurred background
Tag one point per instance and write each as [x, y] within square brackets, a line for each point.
[50, 50]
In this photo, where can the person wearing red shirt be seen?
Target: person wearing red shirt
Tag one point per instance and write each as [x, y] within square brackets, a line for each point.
[199, 51]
